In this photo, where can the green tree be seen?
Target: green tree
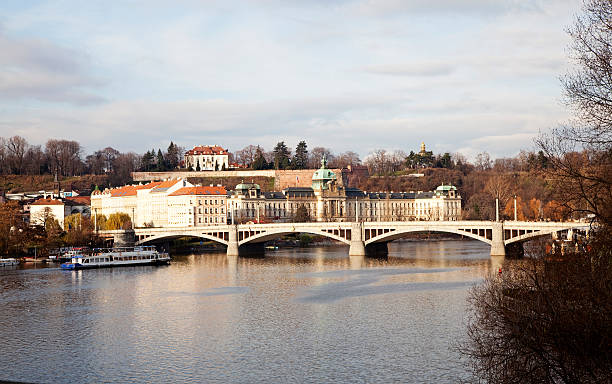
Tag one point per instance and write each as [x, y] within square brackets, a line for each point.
[161, 162]
[173, 156]
[300, 159]
[260, 160]
[100, 224]
[118, 220]
[281, 156]
[147, 161]
[301, 214]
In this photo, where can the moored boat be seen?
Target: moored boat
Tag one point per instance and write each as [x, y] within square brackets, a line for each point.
[117, 257]
[8, 262]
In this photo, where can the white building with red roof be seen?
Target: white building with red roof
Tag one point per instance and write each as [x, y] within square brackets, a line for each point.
[197, 206]
[207, 158]
[47, 208]
[169, 203]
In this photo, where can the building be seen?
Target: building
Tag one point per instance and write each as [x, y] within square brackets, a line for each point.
[44, 209]
[48, 207]
[328, 200]
[197, 206]
[207, 158]
[169, 203]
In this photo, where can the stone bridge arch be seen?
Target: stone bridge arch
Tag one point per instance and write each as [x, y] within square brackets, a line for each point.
[261, 234]
[400, 233]
[173, 236]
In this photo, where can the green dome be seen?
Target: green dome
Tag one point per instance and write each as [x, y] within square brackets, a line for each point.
[247, 186]
[445, 188]
[322, 176]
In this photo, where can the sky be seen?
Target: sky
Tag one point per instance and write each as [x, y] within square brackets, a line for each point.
[461, 75]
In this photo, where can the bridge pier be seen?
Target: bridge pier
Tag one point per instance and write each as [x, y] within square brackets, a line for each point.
[124, 238]
[232, 241]
[357, 247]
[497, 240]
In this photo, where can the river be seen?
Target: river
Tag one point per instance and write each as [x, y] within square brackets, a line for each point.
[307, 315]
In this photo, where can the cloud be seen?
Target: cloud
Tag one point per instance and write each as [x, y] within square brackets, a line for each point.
[395, 7]
[411, 69]
[37, 69]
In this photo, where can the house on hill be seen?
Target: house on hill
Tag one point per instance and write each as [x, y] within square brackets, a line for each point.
[207, 158]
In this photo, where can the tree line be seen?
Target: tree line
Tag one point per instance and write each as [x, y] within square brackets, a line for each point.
[65, 158]
[281, 157]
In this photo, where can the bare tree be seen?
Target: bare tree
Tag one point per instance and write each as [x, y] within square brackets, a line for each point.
[377, 161]
[543, 320]
[16, 148]
[397, 160]
[579, 155]
[499, 186]
[64, 157]
[35, 161]
[246, 156]
[483, 161]
[316, 154]
[345, 159]
[547, 319]
[109, 155]
[95, 163]
[4, 168]
[123, 166]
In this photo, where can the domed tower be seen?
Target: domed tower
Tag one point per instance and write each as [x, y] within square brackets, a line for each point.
[323, 178]
[323, 181]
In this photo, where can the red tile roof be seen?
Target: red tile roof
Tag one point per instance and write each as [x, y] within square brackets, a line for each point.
[130, 190]
[199, 191]
[48, 202]
[207, 150]
[81, 200]
[164, 185]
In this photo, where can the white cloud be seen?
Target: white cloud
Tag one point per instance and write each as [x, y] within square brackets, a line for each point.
[350, 75]
[36, 69]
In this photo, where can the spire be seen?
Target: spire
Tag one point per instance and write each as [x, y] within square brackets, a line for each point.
[324, 161]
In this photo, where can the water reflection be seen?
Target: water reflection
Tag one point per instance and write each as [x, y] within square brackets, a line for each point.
[302, 315]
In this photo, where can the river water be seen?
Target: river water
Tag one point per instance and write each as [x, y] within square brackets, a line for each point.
[307, 315]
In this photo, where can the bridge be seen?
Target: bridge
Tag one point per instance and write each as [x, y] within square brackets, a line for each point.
[363, 238]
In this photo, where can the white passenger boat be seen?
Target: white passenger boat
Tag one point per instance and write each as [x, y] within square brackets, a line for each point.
[8, 262]
[117, 257]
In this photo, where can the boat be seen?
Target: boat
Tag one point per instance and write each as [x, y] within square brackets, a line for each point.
[117, 257]
[8, 262]
[67, 253]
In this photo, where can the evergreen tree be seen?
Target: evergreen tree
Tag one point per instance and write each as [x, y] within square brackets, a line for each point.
[260, 160]
[281, 156]
[146, 163]
[161, 164]
[300, 160]
[173, 156]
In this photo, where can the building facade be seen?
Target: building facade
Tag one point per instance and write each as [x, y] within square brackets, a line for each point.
[197, 206]
[45, 208]
[169, 203]
[207, 158]
[327, 200]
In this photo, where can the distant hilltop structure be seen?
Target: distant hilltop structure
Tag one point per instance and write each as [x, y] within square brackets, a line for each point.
[423, 150]
[207, 158]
